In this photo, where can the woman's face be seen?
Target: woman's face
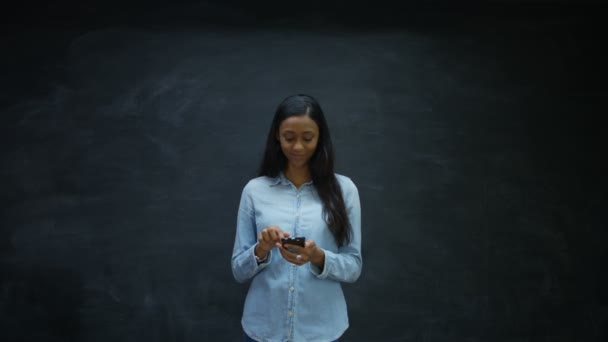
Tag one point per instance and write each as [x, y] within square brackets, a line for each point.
[298, 136]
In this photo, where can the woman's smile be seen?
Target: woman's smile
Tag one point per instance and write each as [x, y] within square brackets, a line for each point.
[298, 136]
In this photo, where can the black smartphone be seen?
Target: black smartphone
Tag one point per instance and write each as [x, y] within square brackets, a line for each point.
[296, 240]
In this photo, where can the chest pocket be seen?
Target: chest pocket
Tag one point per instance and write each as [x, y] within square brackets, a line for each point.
[278, 209]
[312, 224]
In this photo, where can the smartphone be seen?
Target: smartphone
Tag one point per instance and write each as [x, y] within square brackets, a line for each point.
[296, 240]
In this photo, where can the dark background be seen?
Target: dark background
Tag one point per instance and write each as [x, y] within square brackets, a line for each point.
[472, 130]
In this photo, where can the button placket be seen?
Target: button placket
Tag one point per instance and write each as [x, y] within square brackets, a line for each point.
[294, 269]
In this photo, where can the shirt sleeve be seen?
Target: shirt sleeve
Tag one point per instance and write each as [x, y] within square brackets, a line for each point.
[244, 263]
[346, 264]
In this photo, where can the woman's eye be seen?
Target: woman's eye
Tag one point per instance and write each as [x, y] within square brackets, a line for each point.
[308, 140]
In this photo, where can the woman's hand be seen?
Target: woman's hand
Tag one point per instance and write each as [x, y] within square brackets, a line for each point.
[310, 252]
[267, 239]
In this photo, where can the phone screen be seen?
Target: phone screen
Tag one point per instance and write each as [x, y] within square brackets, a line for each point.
[298, 241]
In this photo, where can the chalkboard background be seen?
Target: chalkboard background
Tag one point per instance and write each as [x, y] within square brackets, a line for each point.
[472, 133]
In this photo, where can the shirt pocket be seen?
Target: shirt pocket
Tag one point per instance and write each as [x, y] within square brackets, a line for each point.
[314, 227]
[276, 213]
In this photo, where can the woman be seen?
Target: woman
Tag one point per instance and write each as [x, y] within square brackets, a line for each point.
[295, 294]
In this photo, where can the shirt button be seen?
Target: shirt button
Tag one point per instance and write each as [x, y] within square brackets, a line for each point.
[297, 215]
[292, 289]
[290, 313]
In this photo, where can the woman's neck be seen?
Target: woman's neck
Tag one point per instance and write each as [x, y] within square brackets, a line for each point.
[298, 175]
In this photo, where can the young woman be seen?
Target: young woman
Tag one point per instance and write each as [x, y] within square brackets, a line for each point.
[295, 294]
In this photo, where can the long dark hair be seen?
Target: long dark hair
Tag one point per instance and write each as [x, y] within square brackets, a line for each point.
[321, 163]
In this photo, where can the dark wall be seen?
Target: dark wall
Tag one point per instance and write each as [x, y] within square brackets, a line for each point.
[238, 12]
[473, 135]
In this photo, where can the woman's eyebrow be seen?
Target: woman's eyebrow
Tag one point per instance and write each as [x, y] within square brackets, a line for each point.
[293, 132]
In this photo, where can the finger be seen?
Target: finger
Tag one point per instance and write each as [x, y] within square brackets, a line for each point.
[302, 259]
[304, 252]
[296, 248]
[289, 256]
[265, 235]
[308, 248]
[267, 238]
[276, 235]
[287, 252]
[284, 252]
[309, 244]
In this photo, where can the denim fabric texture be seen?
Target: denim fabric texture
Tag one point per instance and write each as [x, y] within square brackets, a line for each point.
[286, 302]
[249, 339]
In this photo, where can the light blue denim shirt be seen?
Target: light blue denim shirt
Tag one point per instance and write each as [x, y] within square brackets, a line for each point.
[286, 302]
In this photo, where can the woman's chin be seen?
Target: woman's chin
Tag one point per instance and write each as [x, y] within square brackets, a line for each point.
[298, 163]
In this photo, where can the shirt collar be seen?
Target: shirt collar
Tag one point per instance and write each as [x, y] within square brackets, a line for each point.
[277, 180]
[281, 179]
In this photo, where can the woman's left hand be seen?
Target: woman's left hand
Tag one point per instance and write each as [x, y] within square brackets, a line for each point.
[310, 252]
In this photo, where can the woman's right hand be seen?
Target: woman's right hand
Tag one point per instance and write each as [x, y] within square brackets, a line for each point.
[267, 239]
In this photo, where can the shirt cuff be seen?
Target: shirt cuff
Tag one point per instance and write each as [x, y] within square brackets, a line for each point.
[262, 263]
[316, 270]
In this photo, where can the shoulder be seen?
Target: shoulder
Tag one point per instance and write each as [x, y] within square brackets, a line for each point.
[346, 184]
[259, 183]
